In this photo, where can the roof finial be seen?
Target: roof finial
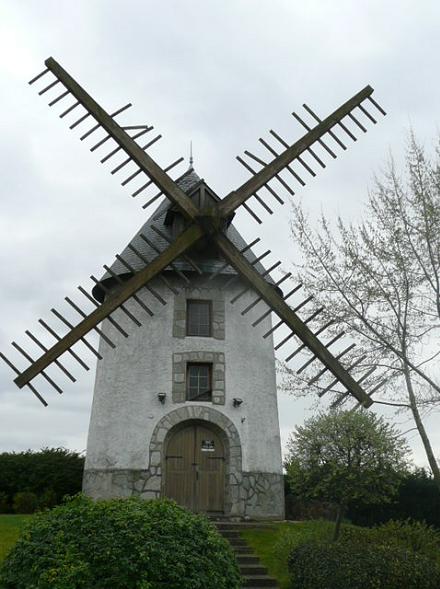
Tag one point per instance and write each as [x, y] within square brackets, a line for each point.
[191, 159]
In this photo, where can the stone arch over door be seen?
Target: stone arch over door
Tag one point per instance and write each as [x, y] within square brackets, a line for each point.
[234, 504]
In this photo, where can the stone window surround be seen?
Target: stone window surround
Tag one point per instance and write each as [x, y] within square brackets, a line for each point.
[217, 311]
[180, 361]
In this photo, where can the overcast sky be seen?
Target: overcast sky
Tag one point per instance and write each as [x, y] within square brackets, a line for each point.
[219, 73]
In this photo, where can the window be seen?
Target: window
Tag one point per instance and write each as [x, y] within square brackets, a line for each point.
[198, 382]
[198, 318]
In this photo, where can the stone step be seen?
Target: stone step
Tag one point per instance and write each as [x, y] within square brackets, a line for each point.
[259, 581]
[230, 534]
[253, 573]
[257, 525]
[248, 570]
[233, 536]
[236, 542]
[244, 559]
[243, 550]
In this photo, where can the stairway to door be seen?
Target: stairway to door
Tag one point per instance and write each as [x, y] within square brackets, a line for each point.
[254, 574]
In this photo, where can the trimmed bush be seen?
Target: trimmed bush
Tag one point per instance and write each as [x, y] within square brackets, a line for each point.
[410, 535]
[290, 537]
[120, 544]
[25, 502]
[340, 565]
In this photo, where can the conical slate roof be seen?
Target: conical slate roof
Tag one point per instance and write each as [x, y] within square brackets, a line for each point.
[160, 219]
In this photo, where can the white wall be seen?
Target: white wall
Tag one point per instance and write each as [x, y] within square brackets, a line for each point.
[125, 406]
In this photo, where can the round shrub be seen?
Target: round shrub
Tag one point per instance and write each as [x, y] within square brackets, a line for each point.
[340, 565]
[120, 544]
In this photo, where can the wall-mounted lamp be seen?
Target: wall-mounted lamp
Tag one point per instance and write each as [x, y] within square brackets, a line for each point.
[237, 401]
[162, 397]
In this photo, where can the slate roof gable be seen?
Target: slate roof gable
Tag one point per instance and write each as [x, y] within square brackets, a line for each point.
[162, 219]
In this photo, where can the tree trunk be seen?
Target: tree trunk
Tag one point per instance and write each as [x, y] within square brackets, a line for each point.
[339, 515]
[421, 429]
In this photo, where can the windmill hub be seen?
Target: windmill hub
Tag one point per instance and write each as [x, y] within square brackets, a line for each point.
[210, 221]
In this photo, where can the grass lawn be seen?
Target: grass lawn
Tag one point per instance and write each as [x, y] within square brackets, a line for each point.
[274, 544]
[10, 526]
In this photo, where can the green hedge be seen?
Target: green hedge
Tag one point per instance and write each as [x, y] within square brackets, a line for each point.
[341, 565]
[120, 544]
[49, 474]
[418, 498]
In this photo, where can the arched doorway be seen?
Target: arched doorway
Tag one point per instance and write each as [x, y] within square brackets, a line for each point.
[195, 467]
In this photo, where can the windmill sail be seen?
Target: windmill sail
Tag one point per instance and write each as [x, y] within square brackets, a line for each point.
[144, 165]
[205, 217]
[292, 158]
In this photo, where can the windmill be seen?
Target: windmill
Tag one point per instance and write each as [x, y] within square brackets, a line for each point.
[192, 224]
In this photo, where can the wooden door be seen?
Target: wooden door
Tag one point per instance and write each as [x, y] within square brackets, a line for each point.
[179, 481]
[194, 474]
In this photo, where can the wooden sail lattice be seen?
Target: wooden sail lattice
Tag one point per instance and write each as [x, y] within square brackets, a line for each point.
[94, 120]
[282, 165]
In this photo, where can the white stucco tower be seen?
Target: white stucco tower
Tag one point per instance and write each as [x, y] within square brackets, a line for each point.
[186, 406]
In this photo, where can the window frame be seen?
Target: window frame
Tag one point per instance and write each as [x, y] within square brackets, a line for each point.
[187, 383]
[209, 307]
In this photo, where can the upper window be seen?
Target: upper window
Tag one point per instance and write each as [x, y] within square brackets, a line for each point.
[198, 382]
[198, 318]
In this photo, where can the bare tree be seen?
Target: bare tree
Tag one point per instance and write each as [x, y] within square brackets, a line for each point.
[379, 281]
